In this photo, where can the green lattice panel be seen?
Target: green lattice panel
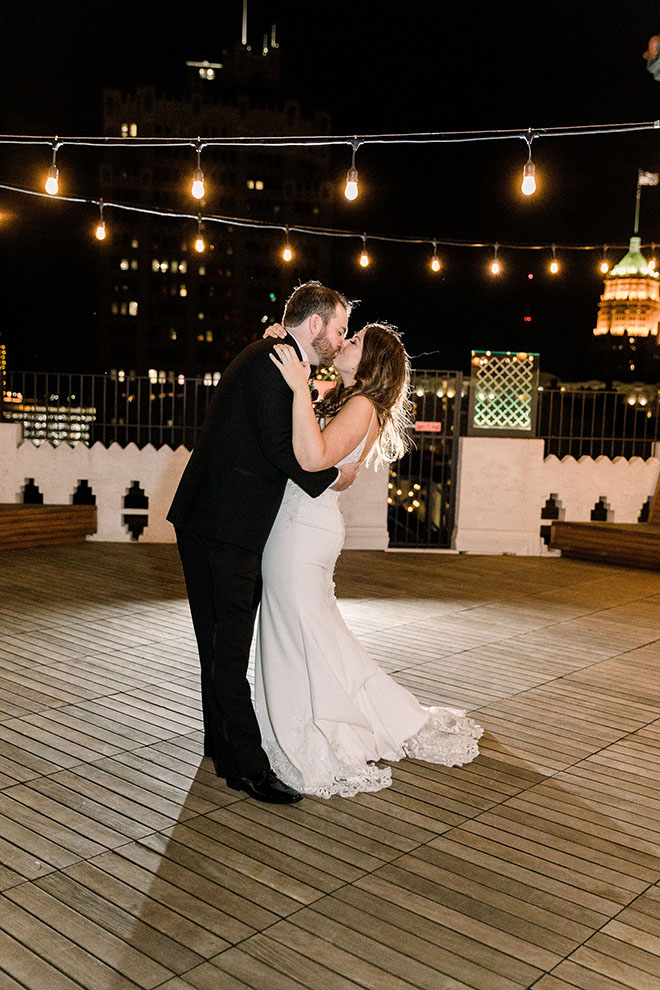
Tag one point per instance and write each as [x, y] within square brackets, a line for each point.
[504, 387]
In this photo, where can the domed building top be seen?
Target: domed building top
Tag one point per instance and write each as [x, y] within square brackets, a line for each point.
[633, 263]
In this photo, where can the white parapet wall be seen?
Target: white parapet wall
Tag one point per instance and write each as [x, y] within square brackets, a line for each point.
[503, 485]
[111, 471]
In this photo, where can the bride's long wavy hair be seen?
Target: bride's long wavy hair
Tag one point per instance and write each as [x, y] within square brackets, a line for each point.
[383, 375]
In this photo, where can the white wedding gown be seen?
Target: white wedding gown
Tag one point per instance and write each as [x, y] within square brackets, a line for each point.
[326, 710]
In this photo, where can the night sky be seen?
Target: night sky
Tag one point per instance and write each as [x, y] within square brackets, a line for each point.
[378, 67]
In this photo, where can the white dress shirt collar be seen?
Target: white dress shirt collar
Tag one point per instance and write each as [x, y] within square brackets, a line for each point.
[303, 353]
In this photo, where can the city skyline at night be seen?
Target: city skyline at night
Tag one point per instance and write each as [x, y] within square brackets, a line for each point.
[422, 70]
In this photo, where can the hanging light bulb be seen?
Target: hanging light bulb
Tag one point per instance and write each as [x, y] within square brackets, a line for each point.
[52, 182]
[199, 240]
[435, 261]
[351, 190]
[364, 257]
[495, 265]
[604, 265]
[100, 227]
[197, 188]
[287, 253]
[529, 179]
[529, 171]
[554, 264]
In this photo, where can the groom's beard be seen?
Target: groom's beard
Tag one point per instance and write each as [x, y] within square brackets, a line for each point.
[326, 351]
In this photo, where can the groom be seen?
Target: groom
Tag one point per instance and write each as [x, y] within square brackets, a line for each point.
[223, 511]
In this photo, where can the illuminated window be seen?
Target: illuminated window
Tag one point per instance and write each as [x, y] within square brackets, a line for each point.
[201, 270]
[200, 316]
[200, 337]
[209, 336]
[123, 264]
[132, 130]
[124, 130]
[172, 334]
[250, 183]
[258, 184]
[155, 265]
[122, 309]
[183, 267]
[115, 309]
[135, 244]
[164, 266]
[183, 290]
[132, 308]
[134, 264]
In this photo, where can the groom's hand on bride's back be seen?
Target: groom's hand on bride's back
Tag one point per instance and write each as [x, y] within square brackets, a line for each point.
[347, 475]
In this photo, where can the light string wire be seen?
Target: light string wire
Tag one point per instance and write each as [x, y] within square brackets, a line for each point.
[312, 231]
[419, 137]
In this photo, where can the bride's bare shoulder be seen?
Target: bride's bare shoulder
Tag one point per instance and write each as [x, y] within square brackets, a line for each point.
[359, 405]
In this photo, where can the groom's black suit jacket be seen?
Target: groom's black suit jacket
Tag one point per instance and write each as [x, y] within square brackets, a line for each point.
[234, 481]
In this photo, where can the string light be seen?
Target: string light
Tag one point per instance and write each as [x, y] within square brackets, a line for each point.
[199, 240]
[364, 257]
[287, 253]
[291, 140]
[351, 190]
[197, 188]
[52, 181]
[495, 265]
[529, 171]
[265, 225]
[554, 264]
[435, 261]
[100, 227]
[604, 265]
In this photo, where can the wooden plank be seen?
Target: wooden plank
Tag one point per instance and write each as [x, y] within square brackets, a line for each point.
[501, 873]
[29, 968]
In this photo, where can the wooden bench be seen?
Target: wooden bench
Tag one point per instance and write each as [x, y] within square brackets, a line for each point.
[27, 525]
[628, 544]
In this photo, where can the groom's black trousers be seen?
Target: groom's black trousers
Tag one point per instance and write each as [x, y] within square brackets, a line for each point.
[224, 588]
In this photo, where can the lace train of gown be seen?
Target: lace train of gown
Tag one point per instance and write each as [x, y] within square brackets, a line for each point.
[326, 710]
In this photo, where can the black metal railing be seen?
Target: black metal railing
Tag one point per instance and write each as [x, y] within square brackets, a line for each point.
[596, 423]
[422, 484]
[63, 408]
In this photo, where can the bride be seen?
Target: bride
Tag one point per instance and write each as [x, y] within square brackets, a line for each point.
[326, 710]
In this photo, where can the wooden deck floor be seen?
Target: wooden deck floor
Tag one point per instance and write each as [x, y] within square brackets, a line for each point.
[126, 863]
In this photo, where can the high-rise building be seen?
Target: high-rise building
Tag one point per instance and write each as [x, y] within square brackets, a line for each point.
[626, 331]
[163, 305]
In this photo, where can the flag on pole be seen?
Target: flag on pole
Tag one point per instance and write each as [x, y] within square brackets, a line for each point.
[647, 178]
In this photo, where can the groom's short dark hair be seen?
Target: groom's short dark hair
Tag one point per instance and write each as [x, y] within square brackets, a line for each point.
[310, 298]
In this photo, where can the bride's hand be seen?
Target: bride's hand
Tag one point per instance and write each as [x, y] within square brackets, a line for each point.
[294, 371]
[275, 330]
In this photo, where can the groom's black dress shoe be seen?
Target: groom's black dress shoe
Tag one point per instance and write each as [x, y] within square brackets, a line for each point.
[265, 787]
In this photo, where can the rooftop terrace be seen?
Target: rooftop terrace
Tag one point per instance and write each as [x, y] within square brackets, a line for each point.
[127, 863]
